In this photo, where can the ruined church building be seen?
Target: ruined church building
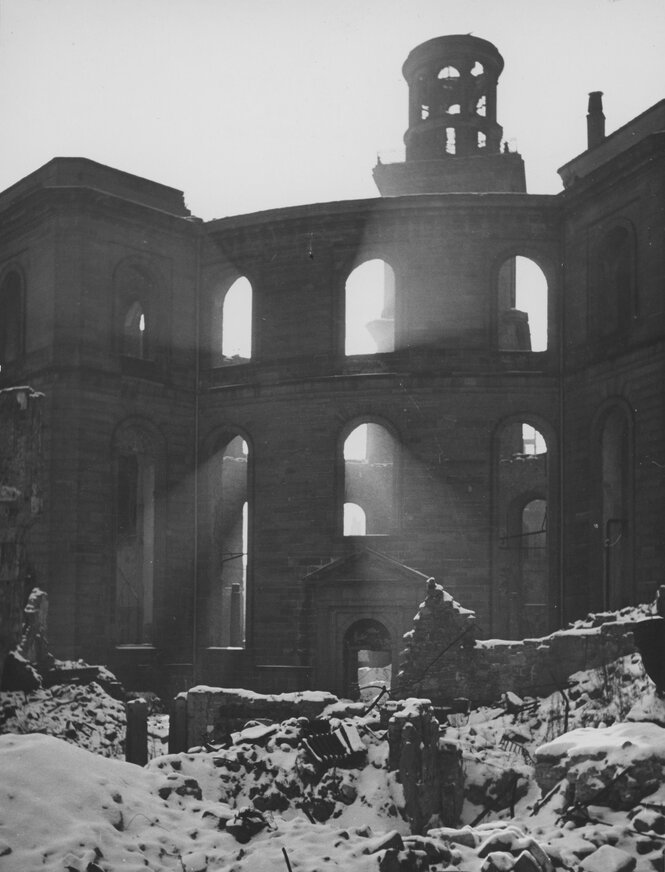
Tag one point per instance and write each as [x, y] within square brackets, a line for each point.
[262, 434]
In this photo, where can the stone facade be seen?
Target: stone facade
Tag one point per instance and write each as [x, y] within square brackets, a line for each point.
[193, 483]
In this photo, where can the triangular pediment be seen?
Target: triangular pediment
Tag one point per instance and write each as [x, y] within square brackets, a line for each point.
[366, 565]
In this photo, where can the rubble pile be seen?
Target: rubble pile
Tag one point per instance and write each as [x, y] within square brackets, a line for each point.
[571, 781]
[84, 715]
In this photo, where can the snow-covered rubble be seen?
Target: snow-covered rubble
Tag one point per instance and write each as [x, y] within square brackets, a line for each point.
[619, 765]
[534, 776]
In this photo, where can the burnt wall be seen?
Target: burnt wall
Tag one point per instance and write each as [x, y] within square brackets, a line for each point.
[83, 257]
[614, 364]
[21, 483]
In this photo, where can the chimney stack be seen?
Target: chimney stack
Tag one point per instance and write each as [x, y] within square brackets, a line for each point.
[595, 120]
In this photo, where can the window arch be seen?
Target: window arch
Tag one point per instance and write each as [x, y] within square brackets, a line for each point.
[616, 301]
[11, 318]
[231, 323]
[135, 457]
[370, 454]
[522, 301]
[228, 487]
[370, 308]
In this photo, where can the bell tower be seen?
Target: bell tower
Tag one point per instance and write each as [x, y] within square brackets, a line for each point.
[453, 142]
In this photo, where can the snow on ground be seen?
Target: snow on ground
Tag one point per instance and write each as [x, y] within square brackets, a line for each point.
[64, 807]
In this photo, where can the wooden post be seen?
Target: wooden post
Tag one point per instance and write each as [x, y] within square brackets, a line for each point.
[136, 742]
[178, 725]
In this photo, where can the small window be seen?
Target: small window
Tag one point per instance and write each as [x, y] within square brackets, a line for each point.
[134, 332]
[355, 520]
[482, 139]
[448, 73]
[478, 69]
[455, 109]
[481, 106]
[450, 140]
[370, 309]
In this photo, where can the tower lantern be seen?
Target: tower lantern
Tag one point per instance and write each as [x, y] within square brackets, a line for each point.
[452, 98]
[453, 142]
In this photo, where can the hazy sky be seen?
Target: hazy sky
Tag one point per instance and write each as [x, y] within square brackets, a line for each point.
[252, 104]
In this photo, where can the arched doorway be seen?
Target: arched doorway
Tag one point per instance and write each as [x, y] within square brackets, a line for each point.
[367, 658]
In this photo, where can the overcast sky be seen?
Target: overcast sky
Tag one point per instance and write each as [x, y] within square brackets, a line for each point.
[253, 104]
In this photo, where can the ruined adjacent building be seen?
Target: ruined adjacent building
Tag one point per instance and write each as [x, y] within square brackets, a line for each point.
[457, 379]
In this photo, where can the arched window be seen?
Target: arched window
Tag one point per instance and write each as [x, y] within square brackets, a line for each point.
[135, 472]
[370, 459]
[134, 336]
[522, 305]
[229, 512]
[370, 308]
[522, 577]
[235, 323]
[11, 320]
[616, 301]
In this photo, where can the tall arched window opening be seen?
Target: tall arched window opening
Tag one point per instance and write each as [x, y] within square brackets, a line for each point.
[236, 323]
[370, 456]
[522, 305]
[370, 308]
[616, 477]
[134, 339]
[134, 537]
[522, 558]
[230, 544]
[11, 320]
